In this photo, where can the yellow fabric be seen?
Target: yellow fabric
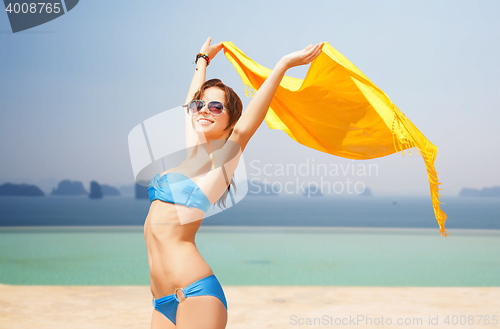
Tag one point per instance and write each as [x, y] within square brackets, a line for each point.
[336, 109]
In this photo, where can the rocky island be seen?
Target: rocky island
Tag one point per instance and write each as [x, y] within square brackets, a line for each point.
[9, 189]
[484, 192]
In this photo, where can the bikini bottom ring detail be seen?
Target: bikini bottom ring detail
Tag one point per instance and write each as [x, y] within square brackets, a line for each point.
[208, 286]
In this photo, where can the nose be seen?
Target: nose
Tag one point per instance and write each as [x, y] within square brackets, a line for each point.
[204, 109]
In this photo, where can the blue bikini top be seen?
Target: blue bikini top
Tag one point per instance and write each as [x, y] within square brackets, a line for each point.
[177, 188]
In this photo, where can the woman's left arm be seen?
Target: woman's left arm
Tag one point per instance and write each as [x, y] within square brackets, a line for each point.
[256, 111]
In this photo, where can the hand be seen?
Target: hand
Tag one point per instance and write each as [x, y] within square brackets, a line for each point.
[302, 57]
[211, 51]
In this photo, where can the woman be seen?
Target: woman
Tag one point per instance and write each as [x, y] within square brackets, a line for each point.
[186, 293]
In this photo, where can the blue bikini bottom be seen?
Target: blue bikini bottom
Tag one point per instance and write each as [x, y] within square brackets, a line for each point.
[208, 286]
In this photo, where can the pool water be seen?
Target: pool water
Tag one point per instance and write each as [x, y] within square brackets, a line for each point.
[258, 255]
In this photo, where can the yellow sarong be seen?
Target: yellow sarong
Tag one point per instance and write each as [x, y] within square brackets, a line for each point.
[336, 109]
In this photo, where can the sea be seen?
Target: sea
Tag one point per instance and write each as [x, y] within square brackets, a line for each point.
[262, 240]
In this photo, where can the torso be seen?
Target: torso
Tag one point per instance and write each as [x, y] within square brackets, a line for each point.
[174, 259]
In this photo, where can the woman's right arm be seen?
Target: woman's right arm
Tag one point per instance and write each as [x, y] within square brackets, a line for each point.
[198, 78]
[196, 82]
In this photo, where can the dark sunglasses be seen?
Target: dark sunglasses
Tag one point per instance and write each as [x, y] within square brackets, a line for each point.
[195, 106]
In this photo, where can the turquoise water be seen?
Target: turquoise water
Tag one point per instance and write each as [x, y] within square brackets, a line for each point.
[113, 255]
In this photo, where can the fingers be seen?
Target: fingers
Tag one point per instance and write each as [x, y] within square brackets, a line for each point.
[318, 49]
[314, 52]
[311, 49]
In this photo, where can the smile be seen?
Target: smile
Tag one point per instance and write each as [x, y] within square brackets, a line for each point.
[204, 121]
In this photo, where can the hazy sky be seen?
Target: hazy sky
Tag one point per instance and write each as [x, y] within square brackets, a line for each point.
[72, 89]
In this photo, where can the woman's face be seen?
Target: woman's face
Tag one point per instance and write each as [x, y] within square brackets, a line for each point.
[214, 129]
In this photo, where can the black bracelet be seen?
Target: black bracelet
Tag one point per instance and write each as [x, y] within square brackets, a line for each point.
[204, 56]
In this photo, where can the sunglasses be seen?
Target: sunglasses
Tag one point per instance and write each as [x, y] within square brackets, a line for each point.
[195, 106]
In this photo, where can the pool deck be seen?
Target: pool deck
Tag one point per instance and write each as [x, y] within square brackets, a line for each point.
[254, 306]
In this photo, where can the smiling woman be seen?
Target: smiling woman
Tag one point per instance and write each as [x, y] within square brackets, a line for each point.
[182, 283]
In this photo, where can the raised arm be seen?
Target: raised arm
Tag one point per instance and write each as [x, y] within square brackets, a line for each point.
[196, 82]
[256, 111]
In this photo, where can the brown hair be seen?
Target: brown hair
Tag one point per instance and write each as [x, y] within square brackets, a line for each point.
[234, 106]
